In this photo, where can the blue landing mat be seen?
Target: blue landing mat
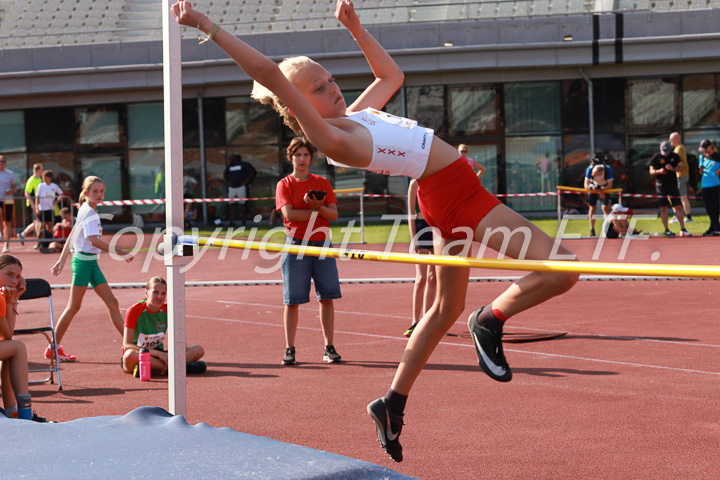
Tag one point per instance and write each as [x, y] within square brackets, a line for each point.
[150, 443]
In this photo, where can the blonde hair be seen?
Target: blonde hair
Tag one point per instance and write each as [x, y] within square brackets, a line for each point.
[87, 183]
[297, 143]
[288, 67]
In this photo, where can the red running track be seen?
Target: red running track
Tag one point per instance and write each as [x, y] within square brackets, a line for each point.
[630, 392]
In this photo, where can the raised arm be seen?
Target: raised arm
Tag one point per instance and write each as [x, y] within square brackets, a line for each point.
[388, 76]
[266, 72]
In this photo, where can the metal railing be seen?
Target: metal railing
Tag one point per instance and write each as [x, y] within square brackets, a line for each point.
[23, 216]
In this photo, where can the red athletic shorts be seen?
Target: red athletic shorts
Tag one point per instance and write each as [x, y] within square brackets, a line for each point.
[453, 198]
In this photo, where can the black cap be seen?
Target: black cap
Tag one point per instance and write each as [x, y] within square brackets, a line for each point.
[704, 145]
[666, 147]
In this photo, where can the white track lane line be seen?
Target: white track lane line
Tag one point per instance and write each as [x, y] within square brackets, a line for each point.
[514, 327]
[453, 344]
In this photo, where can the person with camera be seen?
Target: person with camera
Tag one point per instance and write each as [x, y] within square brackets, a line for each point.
[308, 205]
[598, 179]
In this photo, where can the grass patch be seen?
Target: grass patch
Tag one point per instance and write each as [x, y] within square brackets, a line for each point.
[381, 232]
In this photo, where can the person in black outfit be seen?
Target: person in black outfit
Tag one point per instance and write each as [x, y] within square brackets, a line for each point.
[238, 175]
[663, 167]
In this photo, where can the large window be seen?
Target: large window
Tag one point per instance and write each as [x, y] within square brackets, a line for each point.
[249, 122]
[214, 121]
[12, 131]
[426, 105]
[107, 166]
[609, 95]
[653, 104]
[575, 106]
[532, 107]
[145, 125]
[50, 129]
[473, 110]
[147, 178]
[487, 155]
[98, 126]
[701, 101]
[531, 167]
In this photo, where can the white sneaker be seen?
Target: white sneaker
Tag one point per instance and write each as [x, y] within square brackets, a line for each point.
[5, 249]
[673, 220]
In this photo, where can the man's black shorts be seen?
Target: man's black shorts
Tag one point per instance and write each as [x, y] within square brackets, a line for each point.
[668, 190]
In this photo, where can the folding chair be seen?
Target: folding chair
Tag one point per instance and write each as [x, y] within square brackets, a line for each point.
[39, 288]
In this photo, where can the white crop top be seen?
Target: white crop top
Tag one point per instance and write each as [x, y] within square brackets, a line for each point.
[400, 146]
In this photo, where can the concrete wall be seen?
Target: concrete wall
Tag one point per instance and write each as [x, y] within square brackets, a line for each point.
[654, 43]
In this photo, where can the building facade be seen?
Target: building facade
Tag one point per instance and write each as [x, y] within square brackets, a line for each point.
[531, 97]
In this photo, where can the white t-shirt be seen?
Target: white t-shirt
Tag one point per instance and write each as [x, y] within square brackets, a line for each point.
[46, 195]
[7, 180]
[87, 225]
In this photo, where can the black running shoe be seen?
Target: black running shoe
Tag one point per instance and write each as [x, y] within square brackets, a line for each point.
[388, 426]
[196, 367]
[330, 355]
[38, 419]
[409, 331]
[289, 358]
[489, 349]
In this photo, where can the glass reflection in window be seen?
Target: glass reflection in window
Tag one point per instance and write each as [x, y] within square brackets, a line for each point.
[701, 101]
[532, 107]
[473, 110]
[250, 122]
[531, 167]
[145, 125]
[12, 131]
[98, 127]
[652, 103]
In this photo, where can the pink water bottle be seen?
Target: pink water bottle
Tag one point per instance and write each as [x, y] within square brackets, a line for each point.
[144, 364]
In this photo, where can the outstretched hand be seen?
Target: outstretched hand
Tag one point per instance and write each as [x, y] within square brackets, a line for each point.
[57, 268]
[345, 13]
[185, 15]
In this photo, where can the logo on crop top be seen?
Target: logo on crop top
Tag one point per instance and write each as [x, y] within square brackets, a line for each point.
[388, 151]
[424, 141]
[367, 119]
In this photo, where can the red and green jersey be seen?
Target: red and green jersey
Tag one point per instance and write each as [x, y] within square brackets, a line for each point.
[149, 327]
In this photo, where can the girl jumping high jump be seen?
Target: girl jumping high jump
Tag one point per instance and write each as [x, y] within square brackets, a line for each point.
[451, 197]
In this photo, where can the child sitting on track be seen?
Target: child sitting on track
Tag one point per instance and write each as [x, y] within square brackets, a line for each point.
[61, 231]
[13, 355]
[145, 326]
[451, 196]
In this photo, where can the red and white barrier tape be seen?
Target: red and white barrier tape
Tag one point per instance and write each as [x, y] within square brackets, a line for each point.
[538, 194]
[159, 201]
[644, 195]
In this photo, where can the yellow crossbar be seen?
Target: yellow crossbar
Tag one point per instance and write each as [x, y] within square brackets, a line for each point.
[558, 266]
